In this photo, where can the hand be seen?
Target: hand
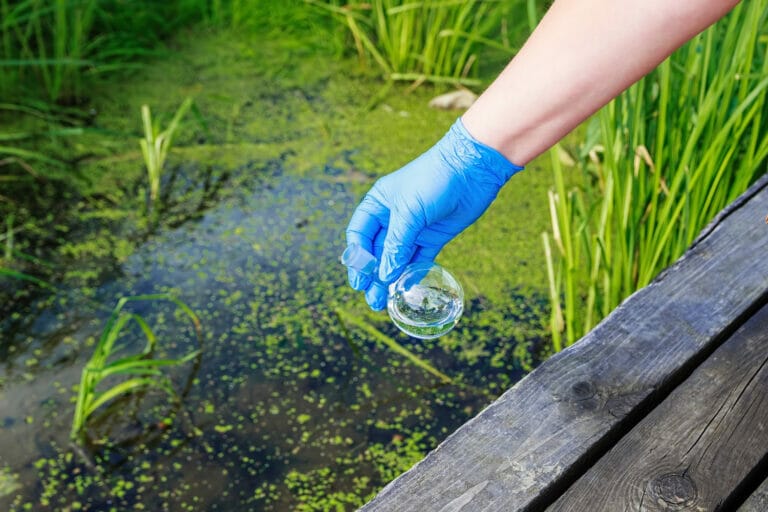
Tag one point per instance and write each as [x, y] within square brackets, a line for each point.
[409, 215]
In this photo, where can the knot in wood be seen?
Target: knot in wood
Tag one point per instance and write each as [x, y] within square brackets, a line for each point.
[582, 390]
[673, 491]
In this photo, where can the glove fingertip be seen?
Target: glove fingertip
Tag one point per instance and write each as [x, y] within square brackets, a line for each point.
[358, 281]
[376, 297]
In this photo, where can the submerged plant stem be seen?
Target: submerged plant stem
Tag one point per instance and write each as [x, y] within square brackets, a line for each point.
[392, 344]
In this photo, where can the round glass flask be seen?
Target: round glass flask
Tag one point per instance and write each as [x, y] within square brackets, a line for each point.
[425, 302]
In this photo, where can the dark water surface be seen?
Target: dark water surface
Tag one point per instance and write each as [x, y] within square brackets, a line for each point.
[286, 409]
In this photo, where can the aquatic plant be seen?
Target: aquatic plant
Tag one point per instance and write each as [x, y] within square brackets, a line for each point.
[658, 163]
[429, 40]
[390, 343]
[141, 372]
[279, 384]
[156, 144]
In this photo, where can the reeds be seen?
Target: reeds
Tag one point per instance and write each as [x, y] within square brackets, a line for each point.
[661, 160]
[156, 144]
[139, 372]
[48, 48]
[429, 40]
[48, 39]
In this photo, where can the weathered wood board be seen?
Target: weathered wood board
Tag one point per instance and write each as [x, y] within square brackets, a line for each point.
[758, 500]
[526, 448]
[696, 448]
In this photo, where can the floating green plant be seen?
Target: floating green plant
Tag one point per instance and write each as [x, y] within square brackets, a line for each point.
[140, 371]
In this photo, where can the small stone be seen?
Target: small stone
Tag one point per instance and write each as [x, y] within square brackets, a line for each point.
[456, 100]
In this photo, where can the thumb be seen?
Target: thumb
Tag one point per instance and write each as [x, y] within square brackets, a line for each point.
[399, 243]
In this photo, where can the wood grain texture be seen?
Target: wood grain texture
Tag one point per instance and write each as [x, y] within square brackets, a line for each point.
[758, 501]
[536, 438]
[694, 450]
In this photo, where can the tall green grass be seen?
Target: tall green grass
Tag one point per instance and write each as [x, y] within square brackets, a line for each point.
[49, 40]
[659, 162]
[50, 48]
[427, 40]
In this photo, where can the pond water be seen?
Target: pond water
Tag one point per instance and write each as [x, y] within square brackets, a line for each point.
[289, 407]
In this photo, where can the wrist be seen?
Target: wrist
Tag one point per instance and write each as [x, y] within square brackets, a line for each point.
[480, 155]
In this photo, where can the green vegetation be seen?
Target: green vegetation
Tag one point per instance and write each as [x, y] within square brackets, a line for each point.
[286, 410]
[155, 146]
[423, 41]
[293, 409]
[8, 482]
[51, 39]
[391, 344]
[140, 372]
[659, 162]
[55, 49]
[8, 237]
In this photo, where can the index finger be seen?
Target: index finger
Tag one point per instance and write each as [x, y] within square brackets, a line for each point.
[370, 217]
[364, 229]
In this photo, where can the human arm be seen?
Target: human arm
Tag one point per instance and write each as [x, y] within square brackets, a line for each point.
[582, 54]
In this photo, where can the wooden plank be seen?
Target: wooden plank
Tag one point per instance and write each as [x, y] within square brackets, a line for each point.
[530, 444]
[758, 500]
[695, 450]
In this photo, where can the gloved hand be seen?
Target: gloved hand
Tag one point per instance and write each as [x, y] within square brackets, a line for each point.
[409, 215]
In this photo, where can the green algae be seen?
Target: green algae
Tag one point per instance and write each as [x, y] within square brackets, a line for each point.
[280, 100]
[289, 409]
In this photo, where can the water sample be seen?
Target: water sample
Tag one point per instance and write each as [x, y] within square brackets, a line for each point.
[425, 302]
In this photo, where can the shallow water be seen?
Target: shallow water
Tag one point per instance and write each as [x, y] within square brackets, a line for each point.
[283, 408]
[287, 408]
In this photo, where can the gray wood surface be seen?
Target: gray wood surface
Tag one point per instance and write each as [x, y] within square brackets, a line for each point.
[694, 450]
[524, 449]
[758, 501]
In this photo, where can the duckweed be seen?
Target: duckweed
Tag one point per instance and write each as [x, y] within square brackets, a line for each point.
[288, 408]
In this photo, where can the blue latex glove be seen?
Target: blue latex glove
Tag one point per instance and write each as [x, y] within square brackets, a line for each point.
[409, 215]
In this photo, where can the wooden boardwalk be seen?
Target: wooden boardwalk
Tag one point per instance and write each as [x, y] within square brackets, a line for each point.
[663, 406]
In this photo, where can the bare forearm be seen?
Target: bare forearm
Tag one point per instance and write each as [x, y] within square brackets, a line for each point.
[582, 54]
